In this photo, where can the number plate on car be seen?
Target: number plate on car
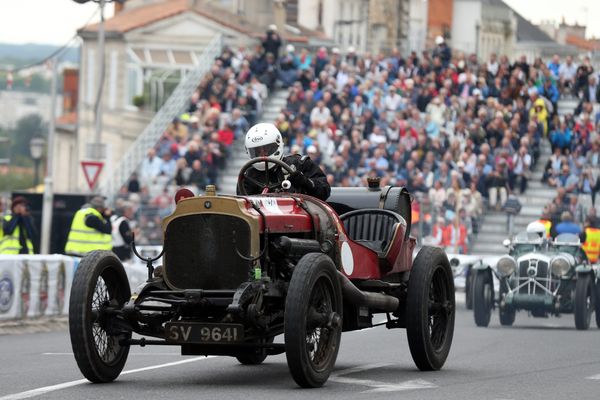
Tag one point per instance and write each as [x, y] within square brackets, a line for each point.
[197, 332]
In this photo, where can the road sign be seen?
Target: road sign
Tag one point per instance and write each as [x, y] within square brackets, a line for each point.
[91, 171]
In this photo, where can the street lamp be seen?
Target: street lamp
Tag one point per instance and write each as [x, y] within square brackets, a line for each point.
[36, 148]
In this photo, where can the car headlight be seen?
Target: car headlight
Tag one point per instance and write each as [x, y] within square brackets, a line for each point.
[560, 266]
[506, 266]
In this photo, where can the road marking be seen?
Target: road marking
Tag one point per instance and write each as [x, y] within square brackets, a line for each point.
[130, 354]
[377, 386]
[595, 377]
[60, 386]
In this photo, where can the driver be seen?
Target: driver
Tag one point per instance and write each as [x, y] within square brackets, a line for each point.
[264, 140]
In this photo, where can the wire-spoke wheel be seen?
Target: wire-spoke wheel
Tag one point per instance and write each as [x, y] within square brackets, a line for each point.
[313, 320]
[584, 301]
[430, 309]
[100, 289]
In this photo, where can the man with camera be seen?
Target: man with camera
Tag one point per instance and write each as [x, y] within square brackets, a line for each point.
[91, 228]
[18, 228]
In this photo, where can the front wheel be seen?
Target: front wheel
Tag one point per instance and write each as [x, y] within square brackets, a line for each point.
[483, 298]
[507, 315]
[313, 320]
[100, 289]
[584, 301]
[430, 309]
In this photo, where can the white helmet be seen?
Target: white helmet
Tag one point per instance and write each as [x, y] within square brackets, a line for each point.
[264, 140]
[536, 230]
[439, 40]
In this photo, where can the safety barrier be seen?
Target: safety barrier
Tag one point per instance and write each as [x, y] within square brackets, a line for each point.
[39, 285]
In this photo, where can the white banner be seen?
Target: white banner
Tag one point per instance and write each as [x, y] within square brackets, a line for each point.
[40, 285]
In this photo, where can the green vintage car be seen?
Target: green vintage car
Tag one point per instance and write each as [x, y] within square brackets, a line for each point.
[541, 276]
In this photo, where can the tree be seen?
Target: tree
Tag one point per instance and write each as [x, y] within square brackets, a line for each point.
[27, 127]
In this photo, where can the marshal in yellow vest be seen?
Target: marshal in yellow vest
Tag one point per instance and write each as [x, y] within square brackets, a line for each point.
[592, 244]
[9, 244]
[83, 239]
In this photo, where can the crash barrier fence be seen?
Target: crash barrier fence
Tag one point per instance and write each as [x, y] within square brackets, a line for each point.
[33, 286]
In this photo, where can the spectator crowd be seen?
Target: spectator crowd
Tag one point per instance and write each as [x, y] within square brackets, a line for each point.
[462, 134]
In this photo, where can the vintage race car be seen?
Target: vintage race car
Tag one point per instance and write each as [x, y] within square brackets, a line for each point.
[542, 276]
[238, 271]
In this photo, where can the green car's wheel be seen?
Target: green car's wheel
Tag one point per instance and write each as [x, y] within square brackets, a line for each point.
[483, 298]
[507, 315]
[313, 320]
[100, 289]
[585, 294]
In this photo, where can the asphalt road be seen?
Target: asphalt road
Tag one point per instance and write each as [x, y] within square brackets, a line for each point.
[535, 359]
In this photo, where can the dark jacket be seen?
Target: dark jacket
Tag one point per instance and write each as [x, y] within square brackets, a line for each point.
[303, 164]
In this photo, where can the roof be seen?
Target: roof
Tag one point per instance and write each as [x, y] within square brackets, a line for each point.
[527, 32]
[131, 19]
[582, 43]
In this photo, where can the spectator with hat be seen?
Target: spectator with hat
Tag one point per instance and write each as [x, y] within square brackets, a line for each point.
[18, 229]
[91, 228]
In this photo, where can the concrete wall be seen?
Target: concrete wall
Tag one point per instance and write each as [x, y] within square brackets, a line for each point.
[417, 25]
[466, 15]
[307, 13]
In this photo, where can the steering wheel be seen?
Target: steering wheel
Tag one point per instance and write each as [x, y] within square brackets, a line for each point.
[263, 185]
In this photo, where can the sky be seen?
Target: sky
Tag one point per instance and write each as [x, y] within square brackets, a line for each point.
[56, 21]
[44, 21]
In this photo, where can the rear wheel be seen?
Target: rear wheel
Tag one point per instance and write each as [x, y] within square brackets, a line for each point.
[507, 314]
[313, 320]
[430, 309]
[100, 288]
[483, 298]
[584, 301]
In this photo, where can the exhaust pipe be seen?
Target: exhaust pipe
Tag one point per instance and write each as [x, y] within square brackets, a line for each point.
[358, 297]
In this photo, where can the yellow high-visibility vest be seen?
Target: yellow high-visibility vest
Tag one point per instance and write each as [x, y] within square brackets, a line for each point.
[9, 244]
[592, 244]
[83, 239]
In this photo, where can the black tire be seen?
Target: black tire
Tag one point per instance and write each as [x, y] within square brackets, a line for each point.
[483, 298]
[507, 315]
[258, 357]
[100, 284]
[430, 309]
[469, 290]
[584, 301]
[312, 344]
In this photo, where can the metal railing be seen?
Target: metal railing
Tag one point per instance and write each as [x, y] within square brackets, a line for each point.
[173, 107]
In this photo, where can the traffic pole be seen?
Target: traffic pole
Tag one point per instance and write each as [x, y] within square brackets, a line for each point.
[48, 199]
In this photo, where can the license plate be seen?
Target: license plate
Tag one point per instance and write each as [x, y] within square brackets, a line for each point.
[196, 332]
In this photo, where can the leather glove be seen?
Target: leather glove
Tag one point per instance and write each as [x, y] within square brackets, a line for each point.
[298, 179]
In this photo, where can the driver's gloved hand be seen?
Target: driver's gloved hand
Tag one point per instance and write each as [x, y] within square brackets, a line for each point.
[298, 179]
